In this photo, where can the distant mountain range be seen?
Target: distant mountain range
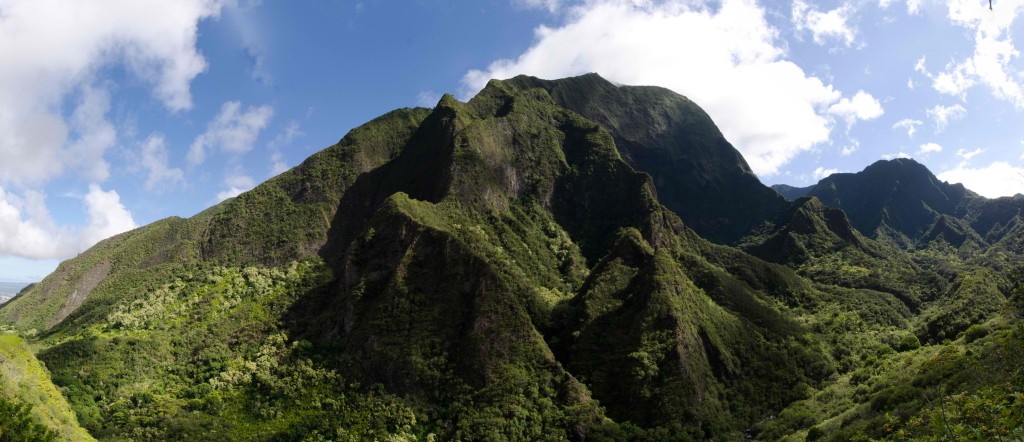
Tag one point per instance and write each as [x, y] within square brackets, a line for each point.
[9, 290]
[550, 260]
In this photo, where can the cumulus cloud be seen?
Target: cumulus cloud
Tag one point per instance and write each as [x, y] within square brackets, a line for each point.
[993, 181]
[908, 124]
[861, 107]
[427, 99]
[943, 115]
[928, 148]
[27, 230]
[155, 160]
[154, 40]
[236, 182]
[824, 26]
[107, 216]
[967, 155]
[913, 7]
[990, 64]
[767, 106]
[232, 130]
[822, 172]
[850, 148]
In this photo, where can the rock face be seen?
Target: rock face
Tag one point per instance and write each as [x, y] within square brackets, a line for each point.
[697, 173]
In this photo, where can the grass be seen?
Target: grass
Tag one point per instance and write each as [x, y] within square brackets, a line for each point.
[25, 380]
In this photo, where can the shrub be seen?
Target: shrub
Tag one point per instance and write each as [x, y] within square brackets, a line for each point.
[975, 332]
[814, 433]
[908, 342]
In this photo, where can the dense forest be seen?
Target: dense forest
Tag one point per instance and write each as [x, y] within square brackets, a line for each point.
[551, 260]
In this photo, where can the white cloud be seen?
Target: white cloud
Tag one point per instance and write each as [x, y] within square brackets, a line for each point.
[52, 50]
[427, 99]
[943, 115]
[290, 133]
[767, 106]
[890, 156]
[913, 7]
[94, 134]
[277, 164]
[996, 180]
[232, 130]
[927, 148]
[967, 155]
[237, 182]
[107, 216]
[822, 172]
[920, 67]
[549, 5]
[862, 107]
[27, 230]
[155, 160]
[824, 25]
[850, 148]
[910, 125]
[993, 52]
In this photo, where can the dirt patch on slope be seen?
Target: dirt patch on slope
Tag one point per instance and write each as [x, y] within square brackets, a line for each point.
[92, 278]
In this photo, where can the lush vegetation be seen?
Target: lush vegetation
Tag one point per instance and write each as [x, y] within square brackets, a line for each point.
[505, 269]
[31, 407]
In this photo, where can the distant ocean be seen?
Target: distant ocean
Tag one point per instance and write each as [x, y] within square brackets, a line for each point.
[9, 289]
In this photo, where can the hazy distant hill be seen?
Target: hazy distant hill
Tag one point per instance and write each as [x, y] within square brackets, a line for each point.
[9, 289]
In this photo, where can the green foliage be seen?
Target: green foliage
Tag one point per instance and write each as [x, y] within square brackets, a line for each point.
[974, 298]
[908, 342]
[18, 425]
[35, 402]
[975, 332]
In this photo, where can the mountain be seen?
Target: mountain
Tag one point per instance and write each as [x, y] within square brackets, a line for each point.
[697, 173]
[533, 264]
[902, 202]
[444, 264]
[821, 243]
[899, 195]
[791, 193]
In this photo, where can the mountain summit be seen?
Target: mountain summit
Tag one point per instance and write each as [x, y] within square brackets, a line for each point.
[698, 174]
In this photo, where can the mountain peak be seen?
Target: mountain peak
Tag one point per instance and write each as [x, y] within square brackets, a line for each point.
[697, 173]
[901, 193]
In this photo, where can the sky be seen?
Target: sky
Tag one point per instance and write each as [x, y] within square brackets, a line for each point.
[118, 113]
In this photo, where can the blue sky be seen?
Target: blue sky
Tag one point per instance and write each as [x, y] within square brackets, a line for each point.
[118, 113]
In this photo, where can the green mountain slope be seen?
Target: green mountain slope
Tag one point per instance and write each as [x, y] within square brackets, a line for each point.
[822, 245]
[24, 381]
